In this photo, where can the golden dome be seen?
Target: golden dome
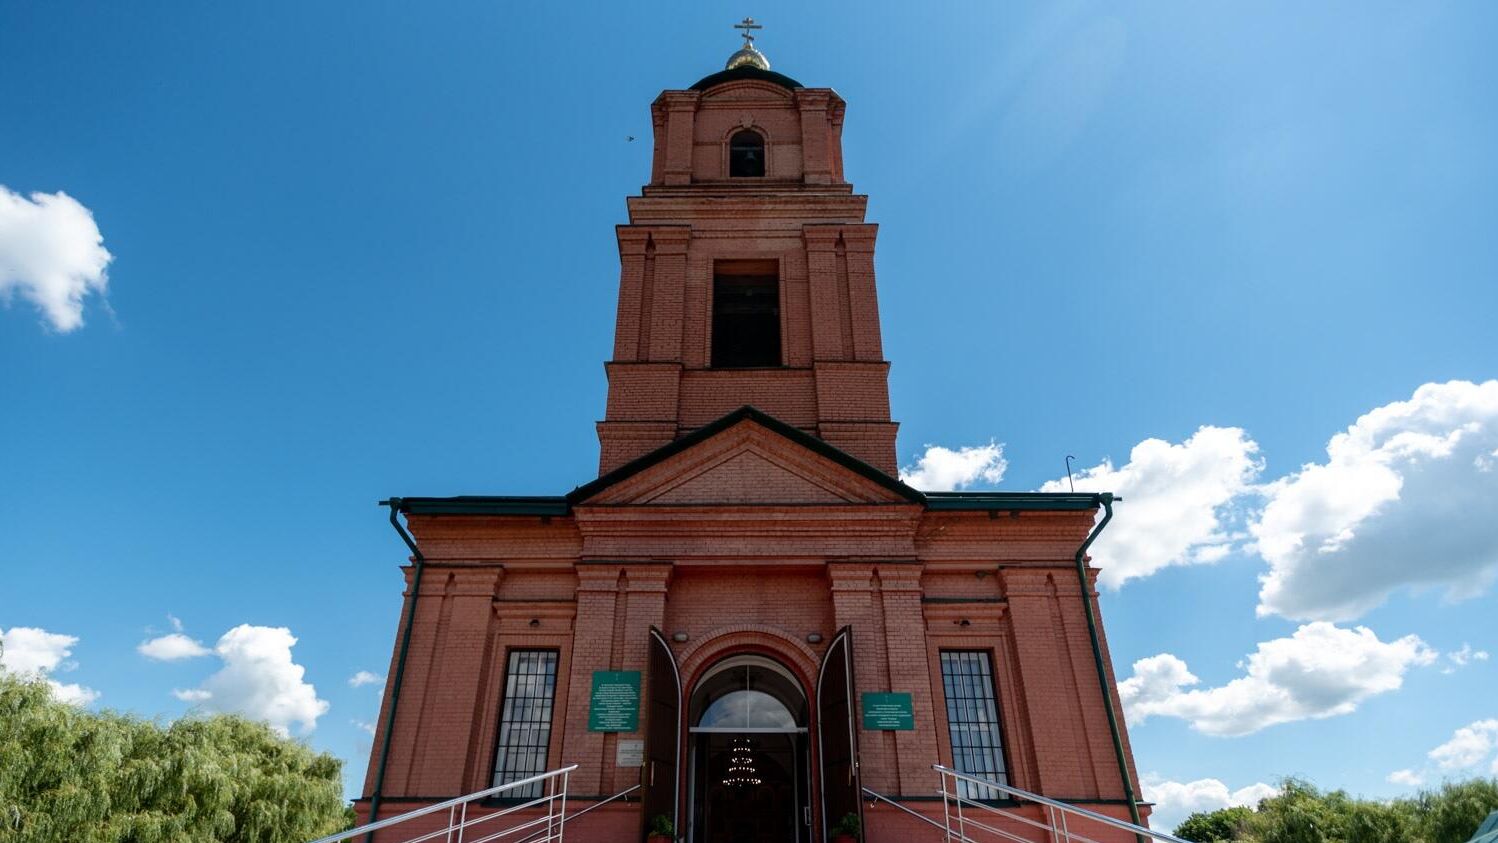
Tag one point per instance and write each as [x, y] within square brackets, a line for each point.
[747, 57]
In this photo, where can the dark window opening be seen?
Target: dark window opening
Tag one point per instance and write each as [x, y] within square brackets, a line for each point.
[973, 721]
[746, 319]
[525, 724]
[746, 154]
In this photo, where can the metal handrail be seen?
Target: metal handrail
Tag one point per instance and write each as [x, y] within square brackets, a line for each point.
[621, 794]
[922, 817]
[1037, 798]
[463, 801]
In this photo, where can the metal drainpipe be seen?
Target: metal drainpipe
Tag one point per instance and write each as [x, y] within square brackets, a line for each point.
[400, 662]
[1106, 499]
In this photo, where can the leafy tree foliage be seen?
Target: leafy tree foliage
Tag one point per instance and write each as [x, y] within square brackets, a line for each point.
[72, 776]
[1211, 826]
[1303, 814]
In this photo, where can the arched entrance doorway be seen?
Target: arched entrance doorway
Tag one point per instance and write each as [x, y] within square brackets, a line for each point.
[749, 755]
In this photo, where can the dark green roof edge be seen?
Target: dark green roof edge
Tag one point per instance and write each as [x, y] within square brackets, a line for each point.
[745, 72]
[763, 419]
[1005, 501]
[484, 505]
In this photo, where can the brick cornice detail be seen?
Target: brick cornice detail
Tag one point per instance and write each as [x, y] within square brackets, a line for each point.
[900, 577]
[668, 239]
[598, 577]
[851, 576]
[814, 99]
[856, 236]
[678, 100]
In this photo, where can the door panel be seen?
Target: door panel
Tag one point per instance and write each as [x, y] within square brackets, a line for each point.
[837, 739]
[659, 779]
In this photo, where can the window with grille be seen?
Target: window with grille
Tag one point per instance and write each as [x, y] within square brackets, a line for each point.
[973, 720]
[525, 721]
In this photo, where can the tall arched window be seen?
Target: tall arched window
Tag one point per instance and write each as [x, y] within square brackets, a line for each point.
[746, 154]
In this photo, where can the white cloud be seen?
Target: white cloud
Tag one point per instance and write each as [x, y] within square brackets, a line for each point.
[52, 253]
[364, 727]
[260, 680]
[1408, 778]
[1468, 747]
[32, 651]
[1177, 501]
[1405, 498]
[1175, 801]
[364, 677]
[36, 653]
[944, 470]
[1463, 657]
[172, 647]
[72, 693]
[1320, 671]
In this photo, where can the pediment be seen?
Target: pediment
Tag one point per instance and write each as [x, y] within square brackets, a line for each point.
[747, 90]
[748, 463]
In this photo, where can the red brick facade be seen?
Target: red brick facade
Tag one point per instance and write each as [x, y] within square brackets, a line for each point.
[749, 532]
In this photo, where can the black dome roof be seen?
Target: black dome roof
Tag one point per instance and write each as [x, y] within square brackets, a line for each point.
[746, 72]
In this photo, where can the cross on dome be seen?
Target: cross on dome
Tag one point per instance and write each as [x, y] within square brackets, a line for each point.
[747, 24]
[747, 56]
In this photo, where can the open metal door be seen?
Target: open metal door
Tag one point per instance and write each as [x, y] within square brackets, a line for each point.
[660, 778]
[837, 738]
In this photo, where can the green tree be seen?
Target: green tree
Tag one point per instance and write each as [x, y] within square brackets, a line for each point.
[1301, 813]
[1225, 824]
[72, 776]
[1452, 813]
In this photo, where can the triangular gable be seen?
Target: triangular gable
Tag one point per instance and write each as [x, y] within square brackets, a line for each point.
[746, 457]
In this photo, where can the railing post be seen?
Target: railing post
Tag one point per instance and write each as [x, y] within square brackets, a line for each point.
[562, 816]
[551, 809]
[961, 820]
[946, 809]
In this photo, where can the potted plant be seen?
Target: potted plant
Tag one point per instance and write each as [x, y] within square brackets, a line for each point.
[847, 829]
[662, 830]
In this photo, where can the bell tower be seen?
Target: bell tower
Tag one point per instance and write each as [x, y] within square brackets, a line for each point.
[747, 273]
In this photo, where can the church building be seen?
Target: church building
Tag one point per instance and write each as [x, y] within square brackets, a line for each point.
[746, 623]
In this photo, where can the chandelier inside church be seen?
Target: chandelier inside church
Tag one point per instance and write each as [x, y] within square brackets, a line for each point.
[741, 769]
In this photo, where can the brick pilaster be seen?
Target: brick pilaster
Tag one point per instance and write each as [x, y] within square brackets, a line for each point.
[910, 672]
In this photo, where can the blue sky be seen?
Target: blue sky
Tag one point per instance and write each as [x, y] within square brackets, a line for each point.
[366, 249]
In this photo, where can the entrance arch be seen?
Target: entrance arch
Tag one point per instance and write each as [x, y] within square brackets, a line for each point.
[749, 756]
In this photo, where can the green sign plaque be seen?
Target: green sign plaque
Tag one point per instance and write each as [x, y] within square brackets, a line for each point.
[884, 712]
[615, 703]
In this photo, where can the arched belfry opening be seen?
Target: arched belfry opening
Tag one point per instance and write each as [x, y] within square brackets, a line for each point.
[749, 755]
[746, 155]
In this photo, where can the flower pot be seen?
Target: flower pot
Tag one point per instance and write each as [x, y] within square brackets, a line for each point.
[844, 838]
[658, 838]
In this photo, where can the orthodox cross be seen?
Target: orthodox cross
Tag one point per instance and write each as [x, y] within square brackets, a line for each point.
[747, 25]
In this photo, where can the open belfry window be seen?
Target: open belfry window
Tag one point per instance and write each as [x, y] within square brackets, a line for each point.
[746, 155]
[746, 314]
[525, 721]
